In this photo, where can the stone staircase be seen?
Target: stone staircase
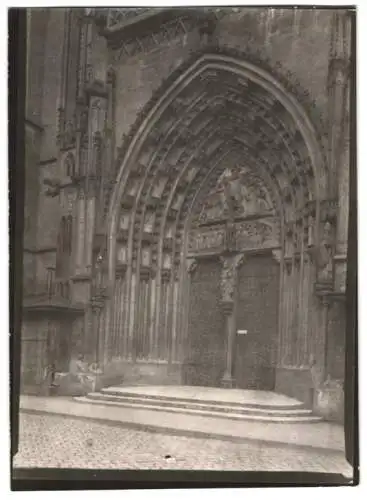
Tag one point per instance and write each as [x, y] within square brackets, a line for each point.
[231, 404]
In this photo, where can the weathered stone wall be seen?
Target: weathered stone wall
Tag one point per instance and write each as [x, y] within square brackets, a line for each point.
[336, 341]
[33, 352]
[31, 193]
[49, 209]
[36, 32]
[51, 88]
[289, 41]
[46, 27]
[296, 383]
[295, 39]
[138, 77]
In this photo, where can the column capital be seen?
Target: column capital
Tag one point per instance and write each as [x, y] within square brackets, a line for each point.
[227, 307]
[191, 265]
[277, 254]
[120, 269]
[166, 275]
[329, 210]
[146, 273]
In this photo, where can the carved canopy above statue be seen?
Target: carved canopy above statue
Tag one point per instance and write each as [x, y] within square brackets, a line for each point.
[239, 192]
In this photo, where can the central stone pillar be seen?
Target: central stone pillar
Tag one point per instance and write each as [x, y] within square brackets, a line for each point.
[230, 264]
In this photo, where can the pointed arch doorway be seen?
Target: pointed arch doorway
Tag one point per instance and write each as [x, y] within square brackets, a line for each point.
[222, 120]
[233, 248]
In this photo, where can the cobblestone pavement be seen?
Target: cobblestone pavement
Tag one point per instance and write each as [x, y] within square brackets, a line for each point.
[54, 441]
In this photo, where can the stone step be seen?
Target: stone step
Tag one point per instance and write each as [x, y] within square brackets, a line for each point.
[210, 414]
[201, 405]
[280, 403]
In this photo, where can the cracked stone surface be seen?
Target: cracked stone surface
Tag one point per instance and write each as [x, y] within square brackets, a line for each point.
[56, 441]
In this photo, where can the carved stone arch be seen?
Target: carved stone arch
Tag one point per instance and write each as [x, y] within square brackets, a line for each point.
[242, 68]
[180, 106]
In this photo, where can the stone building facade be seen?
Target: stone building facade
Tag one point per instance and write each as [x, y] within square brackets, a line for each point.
[186, 205]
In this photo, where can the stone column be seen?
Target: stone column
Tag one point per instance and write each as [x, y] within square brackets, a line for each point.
[117, 310]
[160, 341]
[306, 292]
[152, 338]
[191, 265]
[175, 294]
[338, 92]
[89, 229]
[123, 329]
[228, 284]
[118, 325]
[228, 310]
[184, 276]
[131, 318]
[285, 348]
[322, 257]
[80, 263]
[318, 360]
[338, 87]
[182, 308]
[96, 311]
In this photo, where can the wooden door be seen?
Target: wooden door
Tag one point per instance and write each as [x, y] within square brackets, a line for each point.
[257, 313]
[205, 349]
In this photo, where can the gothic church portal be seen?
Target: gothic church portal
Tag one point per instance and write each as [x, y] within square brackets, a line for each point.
[187, 199]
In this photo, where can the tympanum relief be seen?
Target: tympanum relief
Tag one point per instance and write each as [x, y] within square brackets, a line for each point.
[222, 225]
[238, 192]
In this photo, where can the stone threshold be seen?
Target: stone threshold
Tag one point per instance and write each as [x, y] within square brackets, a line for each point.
[324, 437]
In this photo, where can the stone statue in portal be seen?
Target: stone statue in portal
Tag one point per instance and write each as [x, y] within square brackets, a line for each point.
[229, 276]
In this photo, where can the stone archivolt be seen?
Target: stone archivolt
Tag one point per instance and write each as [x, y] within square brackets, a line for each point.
[227, 141]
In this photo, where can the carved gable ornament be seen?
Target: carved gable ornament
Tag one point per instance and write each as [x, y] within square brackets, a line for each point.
[238, 193]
